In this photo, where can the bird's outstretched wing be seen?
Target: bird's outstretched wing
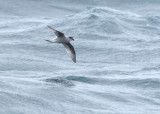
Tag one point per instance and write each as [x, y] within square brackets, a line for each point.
[70, 50]
[57, 33]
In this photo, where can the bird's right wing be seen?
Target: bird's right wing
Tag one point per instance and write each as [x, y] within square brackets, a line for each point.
[57, 33]
[70, 50]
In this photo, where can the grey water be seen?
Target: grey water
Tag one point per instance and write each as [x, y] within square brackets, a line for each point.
[117, 43]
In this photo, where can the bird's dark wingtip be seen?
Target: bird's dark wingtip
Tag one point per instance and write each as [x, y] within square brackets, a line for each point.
[48, 26]
[74, 61]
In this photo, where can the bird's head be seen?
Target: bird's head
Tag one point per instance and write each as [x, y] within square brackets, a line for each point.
[71, 38]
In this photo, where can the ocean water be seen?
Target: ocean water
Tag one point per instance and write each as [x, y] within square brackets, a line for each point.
[117, 43]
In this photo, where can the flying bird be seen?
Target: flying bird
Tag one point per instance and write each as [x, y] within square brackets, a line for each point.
[65, 41]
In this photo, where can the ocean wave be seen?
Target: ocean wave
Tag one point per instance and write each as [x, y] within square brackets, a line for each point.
[135, 83]
[107, 22]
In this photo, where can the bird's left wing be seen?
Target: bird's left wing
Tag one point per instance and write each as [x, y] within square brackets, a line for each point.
[57, 33]
[70, 50]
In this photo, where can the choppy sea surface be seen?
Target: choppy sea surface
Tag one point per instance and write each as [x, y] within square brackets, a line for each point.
[117, 43]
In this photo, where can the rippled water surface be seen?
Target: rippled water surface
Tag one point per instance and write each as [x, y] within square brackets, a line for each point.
[118, 57]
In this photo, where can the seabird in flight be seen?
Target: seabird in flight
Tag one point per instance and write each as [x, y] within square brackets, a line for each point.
[65, 41]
